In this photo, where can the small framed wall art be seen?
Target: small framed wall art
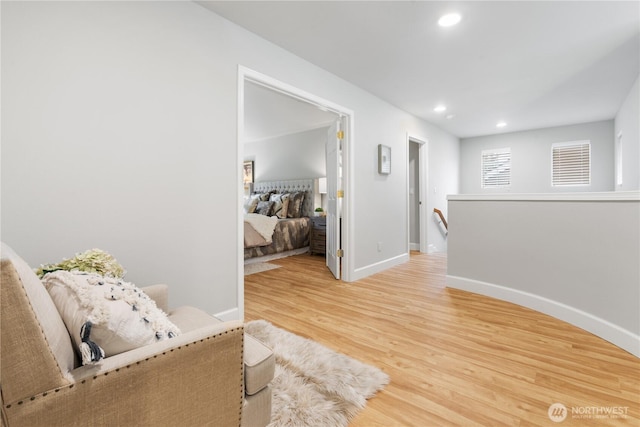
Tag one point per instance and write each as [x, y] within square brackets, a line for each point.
[384, 159]
[248, 172]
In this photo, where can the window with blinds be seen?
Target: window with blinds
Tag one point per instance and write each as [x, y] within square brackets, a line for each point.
[571, 163]
[496, 168]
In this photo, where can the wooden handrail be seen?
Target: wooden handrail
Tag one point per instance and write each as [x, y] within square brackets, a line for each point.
[444, 221]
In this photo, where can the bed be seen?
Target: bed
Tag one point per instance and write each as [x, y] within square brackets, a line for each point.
[280, 210]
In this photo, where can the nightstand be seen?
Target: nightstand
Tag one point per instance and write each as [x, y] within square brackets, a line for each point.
[318, 236]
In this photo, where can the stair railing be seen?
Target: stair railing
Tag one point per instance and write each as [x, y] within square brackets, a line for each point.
[442, 218]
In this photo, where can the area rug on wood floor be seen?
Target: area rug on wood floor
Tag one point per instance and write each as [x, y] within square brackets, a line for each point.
[258, 267]
[313, 385]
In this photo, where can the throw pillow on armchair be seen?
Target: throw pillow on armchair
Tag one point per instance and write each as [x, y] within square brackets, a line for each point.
[106, 315]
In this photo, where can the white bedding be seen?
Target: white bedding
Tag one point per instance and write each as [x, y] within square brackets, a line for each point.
[264, 225]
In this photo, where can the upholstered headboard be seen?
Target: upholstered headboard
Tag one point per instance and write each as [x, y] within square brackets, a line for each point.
[306, 185]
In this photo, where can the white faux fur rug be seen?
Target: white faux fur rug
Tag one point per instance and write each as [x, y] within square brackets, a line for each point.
[313, 385]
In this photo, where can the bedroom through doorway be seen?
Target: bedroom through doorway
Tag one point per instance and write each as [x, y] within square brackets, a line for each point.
[283, 137]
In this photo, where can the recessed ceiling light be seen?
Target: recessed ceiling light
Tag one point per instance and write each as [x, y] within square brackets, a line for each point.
[449, 116]
[449, 19]
[501, 124]
[440, 109]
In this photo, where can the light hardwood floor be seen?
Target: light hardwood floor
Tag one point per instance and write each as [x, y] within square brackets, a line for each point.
[454, 358]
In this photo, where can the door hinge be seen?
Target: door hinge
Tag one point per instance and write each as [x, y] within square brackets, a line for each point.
[340, 194]
[340, 134]
[339, 253]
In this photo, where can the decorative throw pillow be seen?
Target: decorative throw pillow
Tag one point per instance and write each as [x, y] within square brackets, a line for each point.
[295, 204]
[91, 261]
[106, 315]
[281, 206]
[265, 208]
[250, 205]
[262, 197]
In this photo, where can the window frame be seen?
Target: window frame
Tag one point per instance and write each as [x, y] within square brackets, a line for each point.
[567, 182]
[619, 160]
[489, 184]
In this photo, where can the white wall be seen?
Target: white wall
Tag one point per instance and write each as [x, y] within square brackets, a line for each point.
[627, 122]
[443, 173]
[573, 256]
[531, 158]
[444, 160]
[381, 200]
[300, 155]
[119, 132]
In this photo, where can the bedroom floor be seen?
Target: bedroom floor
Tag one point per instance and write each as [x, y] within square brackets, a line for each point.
[454, 358]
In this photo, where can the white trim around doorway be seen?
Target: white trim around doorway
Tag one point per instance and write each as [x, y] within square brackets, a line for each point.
[246, 74]
[423, 178]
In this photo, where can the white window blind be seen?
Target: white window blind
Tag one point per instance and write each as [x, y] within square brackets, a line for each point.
[571, 163]
[496, 168]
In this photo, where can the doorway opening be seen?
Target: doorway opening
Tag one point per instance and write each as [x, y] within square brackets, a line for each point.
[417, 194]
[341, 181]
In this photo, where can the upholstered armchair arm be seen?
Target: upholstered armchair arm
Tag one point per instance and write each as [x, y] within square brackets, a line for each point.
[195, 378]
[160, 295]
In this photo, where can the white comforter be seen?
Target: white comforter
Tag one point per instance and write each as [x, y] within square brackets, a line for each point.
[263, 224]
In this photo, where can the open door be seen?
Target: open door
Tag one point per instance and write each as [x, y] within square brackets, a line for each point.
[417, 177]
[334, 196]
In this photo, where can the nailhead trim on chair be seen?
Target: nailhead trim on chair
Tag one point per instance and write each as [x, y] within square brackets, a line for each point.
[70, 386]
[241, 382]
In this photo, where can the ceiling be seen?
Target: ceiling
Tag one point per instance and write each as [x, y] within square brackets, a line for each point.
[269, 114]
[529, 64]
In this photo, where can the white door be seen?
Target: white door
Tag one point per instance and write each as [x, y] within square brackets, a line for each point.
[414, 196]
[420, 165]
[334, 196]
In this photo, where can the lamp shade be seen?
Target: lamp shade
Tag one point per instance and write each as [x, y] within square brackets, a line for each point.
[322, 185]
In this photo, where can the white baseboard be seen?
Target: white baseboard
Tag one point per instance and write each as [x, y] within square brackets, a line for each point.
[362, 272]
[232, 314]
[414, 246]
[602, 328]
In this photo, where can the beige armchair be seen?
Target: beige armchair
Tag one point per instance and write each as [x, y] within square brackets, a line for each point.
[212, 374]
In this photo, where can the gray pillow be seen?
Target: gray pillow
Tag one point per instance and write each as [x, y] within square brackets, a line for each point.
[265, 208]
